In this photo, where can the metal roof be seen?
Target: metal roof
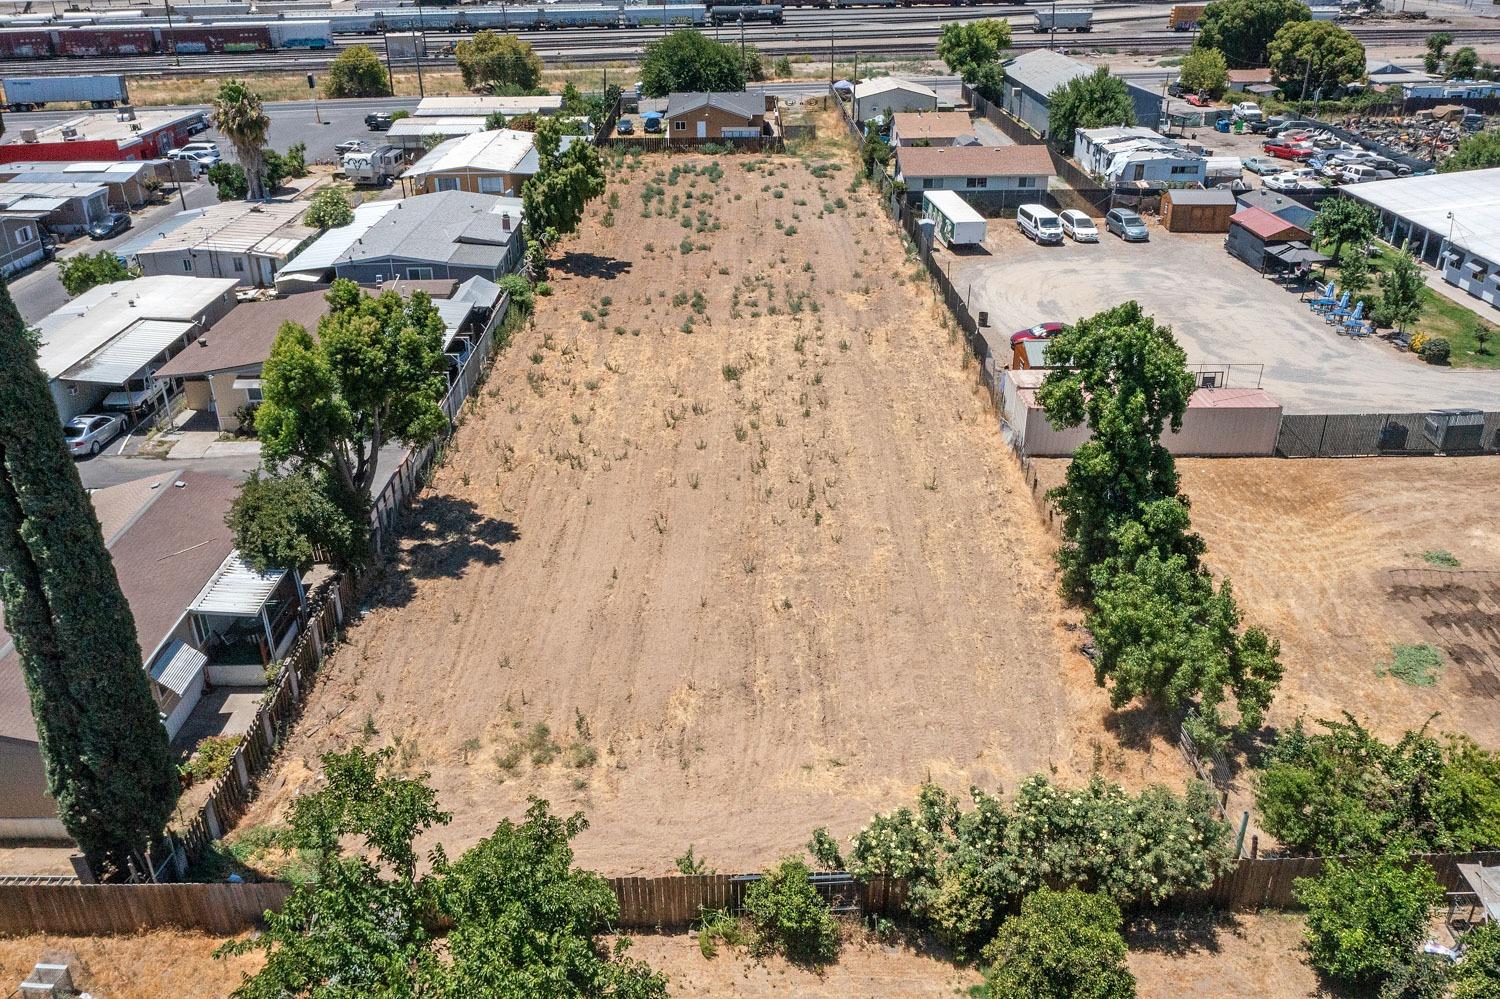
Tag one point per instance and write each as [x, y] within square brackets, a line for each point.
[15, 191]
[325, 251]
[236, 589]
[882, 84]
[952, 204]
[483, 292]
[109, 125]
[178, 666]
[157, 230]
[454, 312]
[450, 126]
[1468, 200]
[123, 357]
[485, 105]
[268, 227]
[1042, 71]
[501, 150]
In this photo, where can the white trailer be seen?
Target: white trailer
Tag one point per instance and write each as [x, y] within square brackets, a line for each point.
[956, 221]
[375, 167]
[1073, 19]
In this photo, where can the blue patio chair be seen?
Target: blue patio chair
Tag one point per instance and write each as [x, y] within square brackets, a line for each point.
[1355, 324]
[1339, 311]
[1325, 300]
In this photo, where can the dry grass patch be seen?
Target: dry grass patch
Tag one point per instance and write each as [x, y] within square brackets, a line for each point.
[140, 966]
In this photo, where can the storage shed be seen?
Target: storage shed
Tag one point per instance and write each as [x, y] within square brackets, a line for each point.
[1253, 231]
[1190, 210]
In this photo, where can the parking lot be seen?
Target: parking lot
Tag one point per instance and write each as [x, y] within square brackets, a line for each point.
[1221, 310]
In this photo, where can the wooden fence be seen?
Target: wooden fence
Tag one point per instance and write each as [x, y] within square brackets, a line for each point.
[671, 902]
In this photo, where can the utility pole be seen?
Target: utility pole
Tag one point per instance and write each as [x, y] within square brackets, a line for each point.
[420, 47]
[855, 94]
[176, 58]
[1053, 43]
[830, 59]
[742, 41]
[385, 37]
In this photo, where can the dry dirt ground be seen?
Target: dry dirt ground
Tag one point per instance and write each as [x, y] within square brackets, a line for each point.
[1328, 556]
[145, 966]
[757, 559]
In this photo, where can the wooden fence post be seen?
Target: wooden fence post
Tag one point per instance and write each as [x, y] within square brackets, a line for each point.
[211, 819]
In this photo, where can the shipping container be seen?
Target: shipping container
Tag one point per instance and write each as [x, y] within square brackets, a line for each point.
[300, 34]
[26, 43]
[24, 93]
[106, 41]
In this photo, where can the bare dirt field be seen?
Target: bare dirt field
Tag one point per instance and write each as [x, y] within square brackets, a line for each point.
[732, 522]
[143, 966]
[1330, 556]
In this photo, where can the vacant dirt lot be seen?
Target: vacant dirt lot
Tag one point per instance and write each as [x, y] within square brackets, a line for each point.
[1328, 555]
[143, 966]
[734, 524]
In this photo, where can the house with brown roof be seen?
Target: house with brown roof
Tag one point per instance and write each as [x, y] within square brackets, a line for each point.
[993, 175]
[203, 617]
[932, 128]
[739, 115]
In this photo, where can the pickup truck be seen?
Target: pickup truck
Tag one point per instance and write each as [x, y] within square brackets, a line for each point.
[1288, 151]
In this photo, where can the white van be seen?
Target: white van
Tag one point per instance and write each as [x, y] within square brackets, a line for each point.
[1039, 223]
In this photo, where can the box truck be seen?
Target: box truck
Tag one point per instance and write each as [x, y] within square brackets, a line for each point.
[27, 93]
[956, 221]
[1073, 19]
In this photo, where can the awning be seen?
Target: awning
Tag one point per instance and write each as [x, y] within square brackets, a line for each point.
[236, 589]
[241, 384]
[178, 667]
[124, 357]
[1297, 253]
[1485, 883]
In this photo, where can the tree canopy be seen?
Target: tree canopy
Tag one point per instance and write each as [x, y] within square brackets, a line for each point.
[1344, 220]
[1204, 71]
[690, 61]
[1092, 101]
[493, 60]
[1242, 29]
[356, 72]
[329, 209]
[1479, 151]
[972, 49]
[238, 113]
[88, 270]
[523, 920]
[1319, 54]
[102, 743]
[1062, 945]
[1365, 917]
[555, 196]
[1401, 287]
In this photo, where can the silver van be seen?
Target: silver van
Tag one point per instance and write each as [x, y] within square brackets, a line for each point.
[1039, 223]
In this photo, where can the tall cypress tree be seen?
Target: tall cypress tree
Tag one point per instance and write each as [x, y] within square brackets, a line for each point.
[107, 760]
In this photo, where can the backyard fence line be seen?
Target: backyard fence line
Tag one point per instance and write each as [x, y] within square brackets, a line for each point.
[668, 902]
[1395, 434]
[323, 616]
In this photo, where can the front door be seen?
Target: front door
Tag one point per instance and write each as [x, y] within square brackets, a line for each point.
[702, 129]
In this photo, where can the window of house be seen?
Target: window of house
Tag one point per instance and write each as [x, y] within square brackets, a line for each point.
[980, 182]
[187, 264]
[445, 184]
[1026, 182]
[24, 233]
[1184, 169]
[492, 185]
[678, 126]
[254, 395]
[419, 274]
[239, 265]
[928, 183]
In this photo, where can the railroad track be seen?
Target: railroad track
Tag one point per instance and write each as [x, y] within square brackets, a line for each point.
[801, 36]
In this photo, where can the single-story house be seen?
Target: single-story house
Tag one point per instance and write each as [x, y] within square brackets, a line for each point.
[129, 182]
[415, 135]
[21, 243]
[246, 241]
[995, 176]
[201, 614]
[875, 96]
[484, 105]
[124, 134]
[448, 234]
[1219, 422]
[1450, 220]
[740, 115]
[932, 128]
[1280, 205]
[1133, 153]
[1253, 232]
[101, 349]
[1240, 79]
[1031, 79]
[1385, 73]
[65, 209]
[493, 162]
[1191, 209]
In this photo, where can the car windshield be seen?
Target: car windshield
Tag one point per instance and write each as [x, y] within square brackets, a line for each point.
[72, 430]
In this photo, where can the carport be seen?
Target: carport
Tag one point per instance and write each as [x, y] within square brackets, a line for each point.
[119, 373]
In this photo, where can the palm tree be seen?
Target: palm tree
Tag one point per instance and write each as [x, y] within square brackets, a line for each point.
[238, 114]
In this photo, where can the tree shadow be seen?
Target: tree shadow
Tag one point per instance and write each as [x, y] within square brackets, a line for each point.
[592, 265]
[1180, 933]
[1140, 723]
[441, 538]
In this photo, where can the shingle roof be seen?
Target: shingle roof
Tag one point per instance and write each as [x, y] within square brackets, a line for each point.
[243, 338]
[1192, 196]
[917, 125]
[974, 161]
[448, 226]
[745, 103]
[1043, 71]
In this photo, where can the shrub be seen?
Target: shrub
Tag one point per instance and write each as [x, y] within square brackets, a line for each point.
[1364, 918]
[1435, 350]
[825, 850]
[1478, 973]
[357, 72]
[89, 270]
[789, 917]
[329, 209]
[1063, 945]
[212, 758]
[1422, 976]
[719, 927]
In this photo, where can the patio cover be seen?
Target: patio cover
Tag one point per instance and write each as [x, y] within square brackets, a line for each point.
[1296, 253]
[236, 590]
[1485, 882]
[178, 666]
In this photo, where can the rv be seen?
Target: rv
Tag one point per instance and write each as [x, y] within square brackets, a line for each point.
[376, 167]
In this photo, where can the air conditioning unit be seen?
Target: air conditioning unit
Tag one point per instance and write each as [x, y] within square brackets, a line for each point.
[69, 133]
[1455, 429]
[28, 135]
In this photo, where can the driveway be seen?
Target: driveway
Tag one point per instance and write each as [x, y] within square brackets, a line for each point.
[1221, 310]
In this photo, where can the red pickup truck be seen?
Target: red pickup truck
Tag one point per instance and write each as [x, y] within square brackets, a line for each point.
[1288, 151]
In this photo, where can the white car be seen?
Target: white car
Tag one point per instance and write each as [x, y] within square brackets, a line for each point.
[204, 152]
[1079, 226]
[87, 434]
[1300, 179]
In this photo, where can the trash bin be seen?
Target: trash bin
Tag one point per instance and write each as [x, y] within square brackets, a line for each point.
[984, 319]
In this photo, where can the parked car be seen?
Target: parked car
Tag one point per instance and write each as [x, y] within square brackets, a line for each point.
[350, 146]
[111, 225]
[197, 125]
[1289, 151]
[1041, 331]
[652, 121]
[1248, 111]
[1079, 226]
[1293, 180]
[624, 127]
[1127, 225]
[206, 154]
[1262, 165]
[87, 434]
[378, 121]
[1198, 100]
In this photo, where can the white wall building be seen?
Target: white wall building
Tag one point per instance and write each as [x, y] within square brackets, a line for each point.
[1123, 155]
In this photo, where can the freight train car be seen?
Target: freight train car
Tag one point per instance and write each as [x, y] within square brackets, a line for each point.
[571, 16]
[88, 41]
[206, 39]
[26, 43]
[300, 34]
[672, 14]
[733, 13]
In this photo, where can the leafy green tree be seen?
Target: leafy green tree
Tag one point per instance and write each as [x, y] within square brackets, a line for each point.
[789, 917]
[1354, 269]
[970, 47]
[1478, 973]
[494, 121]
[89, 270]
[1366, 916]
[754, 63]
[689, 60]
[329, 209]
[280, 521]
[295, 160]
[238, 113]
[229, 178]
[1344, 220]
[493, 60]
[1204, 71]
[1127, 379]
[1063, 945]
[1342, 790]
[1437, 47]
[1462, 64]
[102, 743]
[374, 374]
[781, 69]
[554, 197]
[1311, 56]
[1421, 976]
[1092, 101]
[1480, 151]
[1242, 29]
[1401, 287]
[523, 921]
[357, 72]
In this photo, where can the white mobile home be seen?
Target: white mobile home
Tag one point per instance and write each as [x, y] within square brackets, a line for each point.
[956, 221]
